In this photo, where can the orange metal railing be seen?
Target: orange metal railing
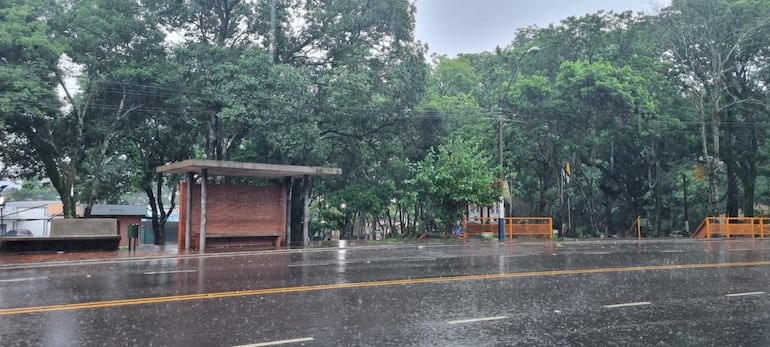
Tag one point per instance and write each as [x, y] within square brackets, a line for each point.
[732, 226]
[637, 226]
[514, 226]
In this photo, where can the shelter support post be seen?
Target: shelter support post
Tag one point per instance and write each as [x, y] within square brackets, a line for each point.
[305, 209]
[204, 200]
[289, 184]
[188, 211]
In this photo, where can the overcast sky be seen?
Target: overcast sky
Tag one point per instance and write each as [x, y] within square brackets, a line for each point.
[470, 26]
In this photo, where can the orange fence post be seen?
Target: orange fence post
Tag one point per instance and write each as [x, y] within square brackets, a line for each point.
[550, 229]
[727, 227]
[639, 227]
[761, 228]
[708, 227]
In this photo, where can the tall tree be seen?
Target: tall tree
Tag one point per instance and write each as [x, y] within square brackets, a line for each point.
[31, 113]
[714, 42]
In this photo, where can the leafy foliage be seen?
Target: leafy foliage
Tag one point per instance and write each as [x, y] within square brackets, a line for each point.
[95, 94]
[459, 173]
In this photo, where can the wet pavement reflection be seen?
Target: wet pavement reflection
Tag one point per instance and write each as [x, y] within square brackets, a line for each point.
[608, 292]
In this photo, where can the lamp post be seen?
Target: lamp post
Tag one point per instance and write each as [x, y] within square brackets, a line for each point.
[500, 96]
[2, 217]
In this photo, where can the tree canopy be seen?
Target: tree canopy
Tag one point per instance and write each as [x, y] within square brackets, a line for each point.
[94, 94]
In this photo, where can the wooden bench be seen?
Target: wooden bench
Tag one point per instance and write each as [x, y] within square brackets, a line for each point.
[241, 238]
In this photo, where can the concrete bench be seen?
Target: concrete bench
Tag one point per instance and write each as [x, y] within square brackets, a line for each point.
[242, 238]
[59, 243]
[96, 234]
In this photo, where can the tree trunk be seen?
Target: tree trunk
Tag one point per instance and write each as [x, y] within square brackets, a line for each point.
[542, 192]
[749, 180]
[213, 140]
[390, 223]
[713, 165]
[733, 192]
[158, 222]
[65, 188]
[608, 216]
[69, 205]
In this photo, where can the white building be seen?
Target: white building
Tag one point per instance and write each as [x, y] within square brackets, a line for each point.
[34, 216]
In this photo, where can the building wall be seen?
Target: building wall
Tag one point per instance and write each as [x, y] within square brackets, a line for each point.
[83, 227]
[171, 232]
[234, 209]
[36, 216]
[123, 223]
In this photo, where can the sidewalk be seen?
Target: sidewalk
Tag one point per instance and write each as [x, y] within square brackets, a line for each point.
[143, 251]
[169, 250]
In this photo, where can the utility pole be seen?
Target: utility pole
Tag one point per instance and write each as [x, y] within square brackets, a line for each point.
[2, 207]
[273, 23]
[686, 213]
[500, 96]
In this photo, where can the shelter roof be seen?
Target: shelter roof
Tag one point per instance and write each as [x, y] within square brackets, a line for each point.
[118, 210]
[243, 169]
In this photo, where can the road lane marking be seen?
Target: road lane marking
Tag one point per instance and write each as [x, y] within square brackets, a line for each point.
[279, 342]
[745, 294]
[629, 304]
[596, 253]
[337, 286]
[740, 250]
[25, 279]
[414, 260]
[362, 261]
[474, 320]
[168, 272]
[317, 264]
[672, 251]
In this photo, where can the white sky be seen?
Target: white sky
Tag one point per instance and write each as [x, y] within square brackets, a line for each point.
[470, 26]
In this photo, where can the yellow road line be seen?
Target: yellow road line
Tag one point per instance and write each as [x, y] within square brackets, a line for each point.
[216, 295]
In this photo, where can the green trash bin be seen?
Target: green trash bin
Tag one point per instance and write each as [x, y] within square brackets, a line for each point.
[133, 235]
[133, 231]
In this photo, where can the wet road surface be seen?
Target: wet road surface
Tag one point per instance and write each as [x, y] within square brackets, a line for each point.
[672, 292]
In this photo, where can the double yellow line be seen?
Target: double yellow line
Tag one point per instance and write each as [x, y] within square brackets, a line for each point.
[253, 292]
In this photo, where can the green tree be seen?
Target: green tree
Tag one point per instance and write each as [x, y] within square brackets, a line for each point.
[459, 173]
[715, 46]
[31, 113]
[104, 46]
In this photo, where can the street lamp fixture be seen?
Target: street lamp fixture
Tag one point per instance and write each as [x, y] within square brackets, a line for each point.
[500, 97]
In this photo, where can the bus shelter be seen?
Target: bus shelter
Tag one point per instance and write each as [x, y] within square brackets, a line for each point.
[239, 212]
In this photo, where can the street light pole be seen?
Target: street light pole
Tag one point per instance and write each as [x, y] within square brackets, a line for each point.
[500, 96]
[2, 208]
[2, 217]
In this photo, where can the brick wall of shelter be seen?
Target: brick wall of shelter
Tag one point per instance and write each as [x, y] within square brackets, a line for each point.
[233, 209]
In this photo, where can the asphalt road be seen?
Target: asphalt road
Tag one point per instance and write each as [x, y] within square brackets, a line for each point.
[617, 293]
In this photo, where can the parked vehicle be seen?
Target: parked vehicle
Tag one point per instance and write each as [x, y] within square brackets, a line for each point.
[18, 233]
